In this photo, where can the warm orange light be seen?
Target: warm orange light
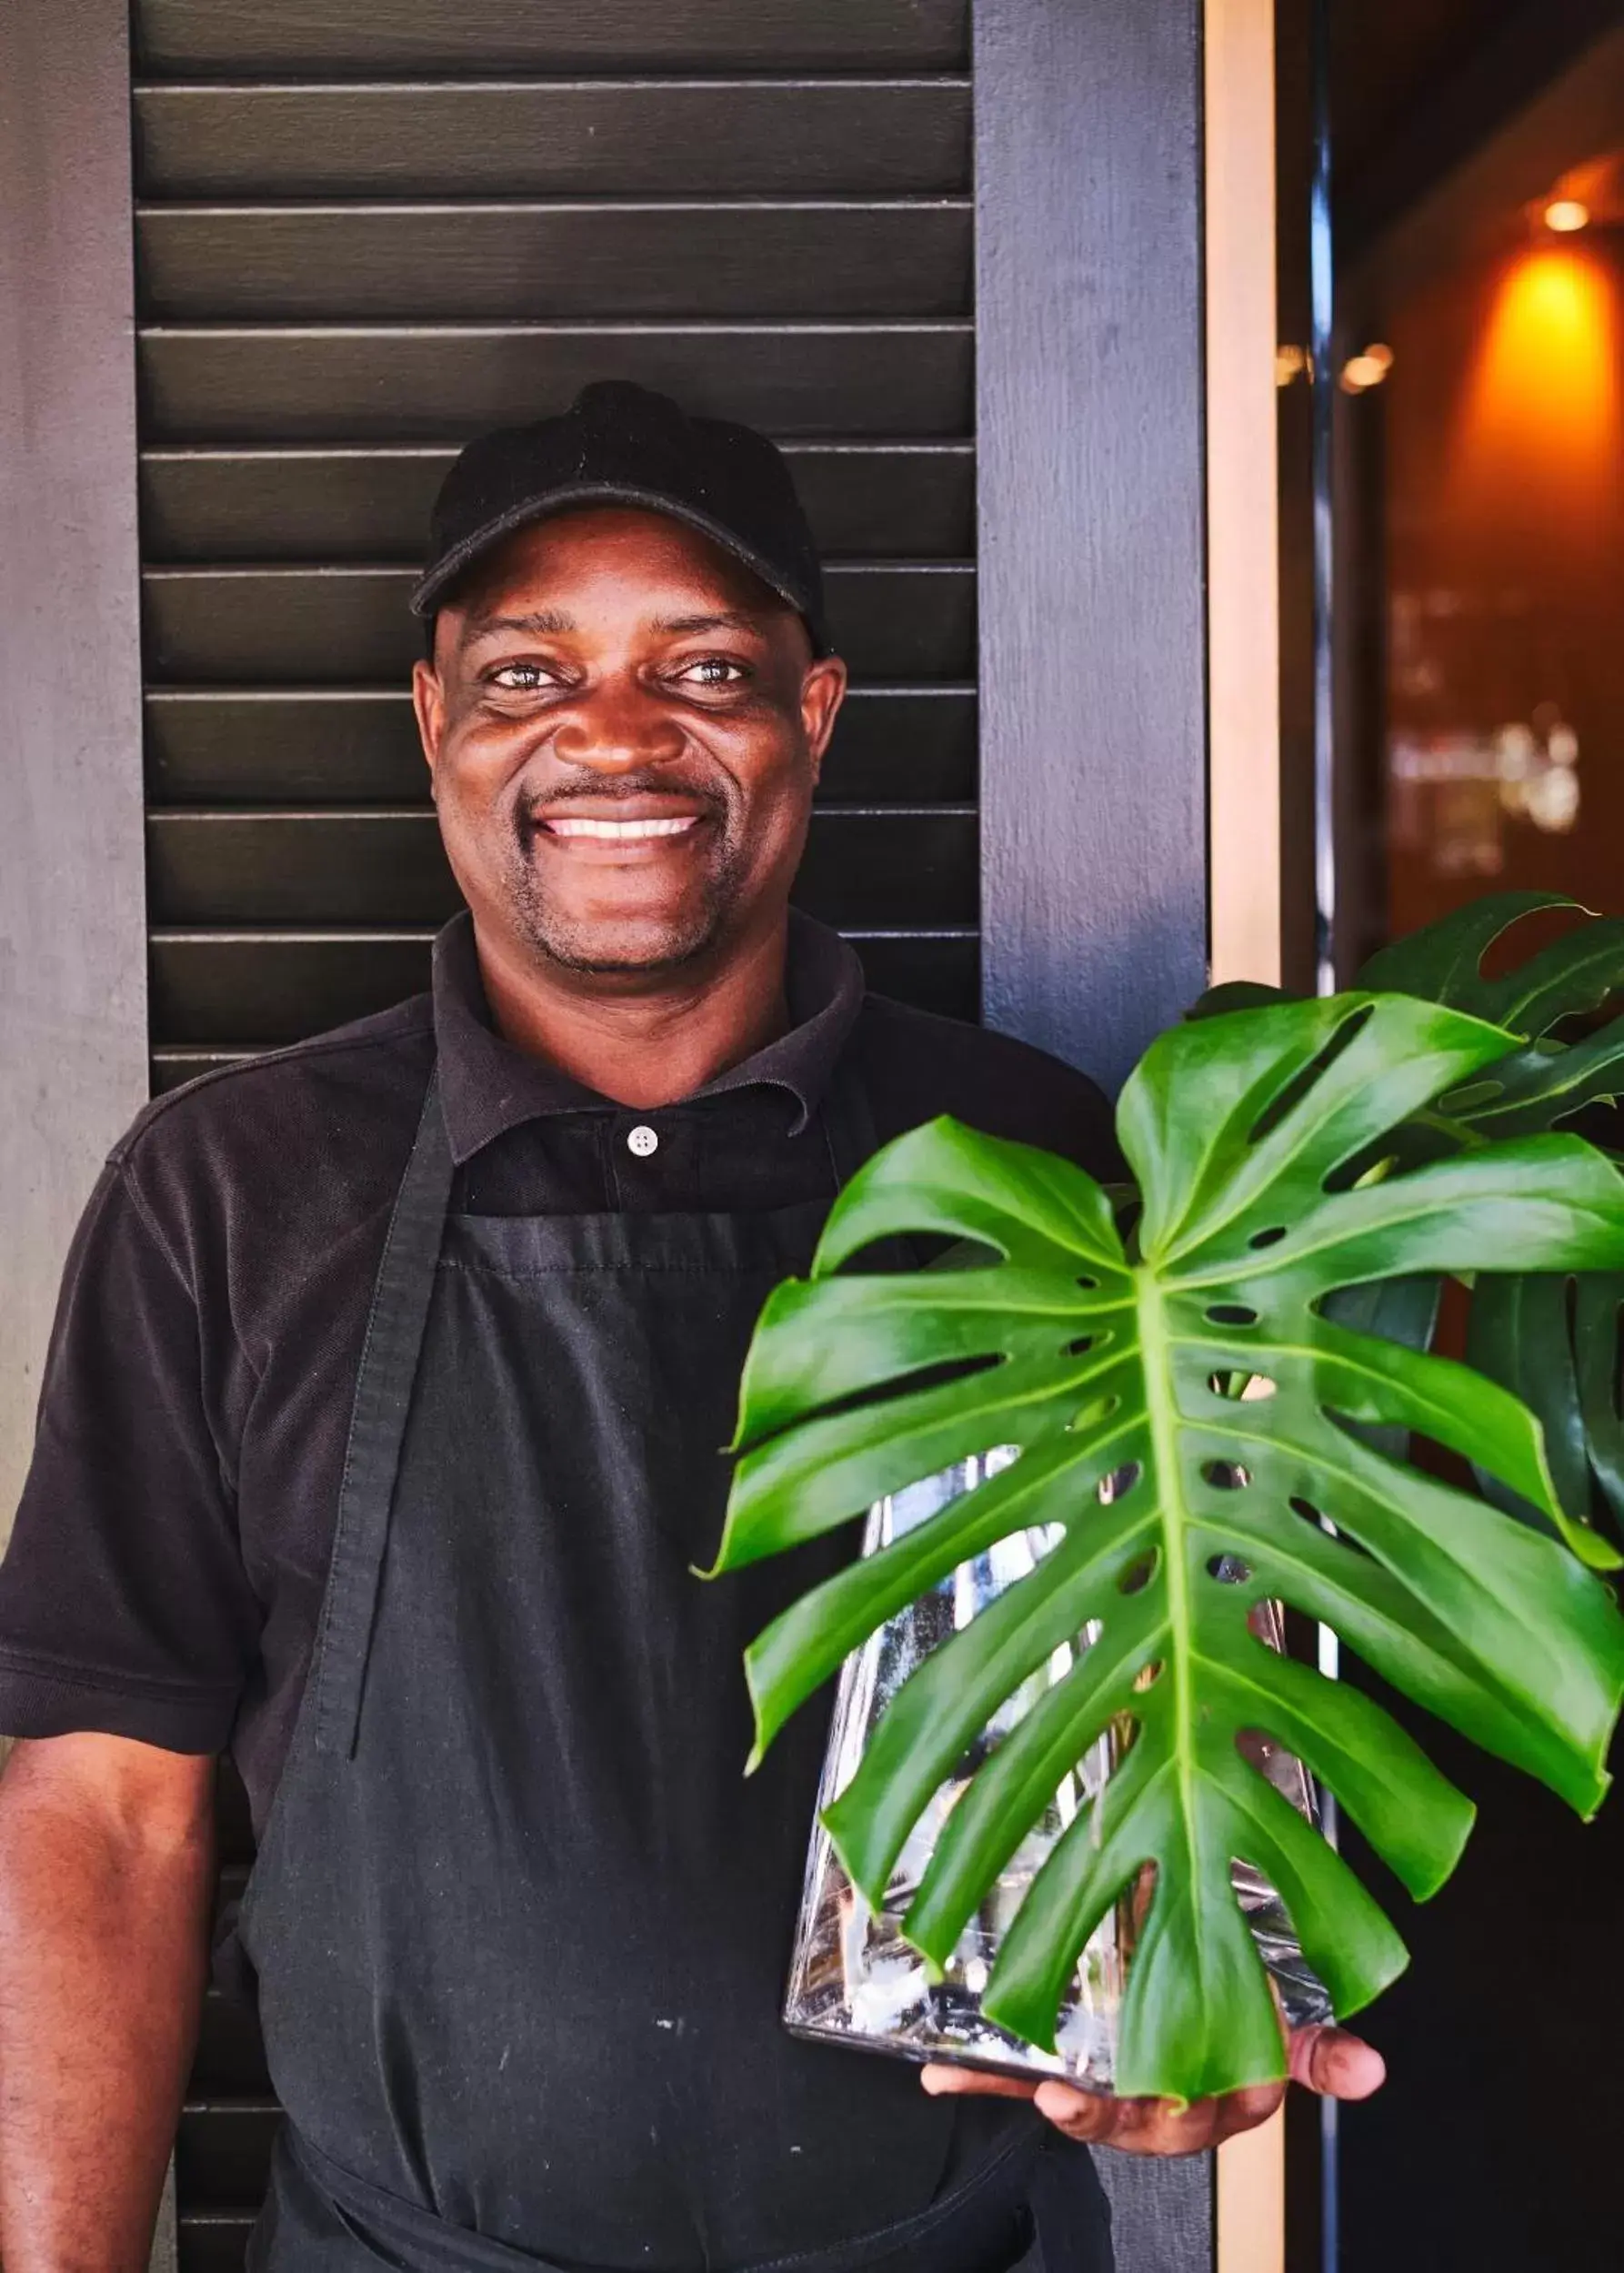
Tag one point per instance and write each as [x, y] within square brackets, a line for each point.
[1541, 438]
[1565, 214]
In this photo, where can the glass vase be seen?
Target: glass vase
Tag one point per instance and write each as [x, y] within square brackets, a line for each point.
[853, 1977]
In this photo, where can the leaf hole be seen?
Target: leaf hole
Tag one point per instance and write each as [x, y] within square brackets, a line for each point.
[917, 1380]
[1268, 1238]
[1256, 1748]
[1119, 1484]
[1326, 1529]
[1080, 1347]
[1140, 1573]
[1225, 1475]
[1149, 1675]
[1294, 1089]
[1231, 1314]
[1250, 1388]
[1229, 1570]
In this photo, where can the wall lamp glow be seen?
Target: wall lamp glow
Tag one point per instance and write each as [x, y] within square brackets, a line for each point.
[1565, 214]
[1367, 369]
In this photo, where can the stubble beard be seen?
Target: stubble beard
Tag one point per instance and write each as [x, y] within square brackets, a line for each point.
[593, 949]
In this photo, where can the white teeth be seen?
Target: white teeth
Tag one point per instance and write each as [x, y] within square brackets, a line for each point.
[620, 831]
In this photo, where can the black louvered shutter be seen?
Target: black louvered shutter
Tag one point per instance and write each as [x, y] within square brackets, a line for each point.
[362, 234]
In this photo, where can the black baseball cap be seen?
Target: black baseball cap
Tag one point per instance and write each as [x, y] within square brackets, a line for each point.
[620, 444]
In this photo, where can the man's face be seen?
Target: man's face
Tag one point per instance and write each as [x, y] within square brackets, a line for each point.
[625, 728]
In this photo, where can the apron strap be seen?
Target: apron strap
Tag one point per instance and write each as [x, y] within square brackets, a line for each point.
[377, 1425]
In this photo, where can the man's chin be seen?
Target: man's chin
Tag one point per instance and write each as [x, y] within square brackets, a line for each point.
[623, 952]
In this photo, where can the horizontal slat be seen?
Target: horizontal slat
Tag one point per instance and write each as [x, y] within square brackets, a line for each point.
[661, 137]
[247, 990]
[285, 383]
[230, 2056]
[330, 626]
[420, 262]
[253, 36]
[223, 2152]
[231, 746]
[259, 989]
[867, 867]
[913, 501]
[213, 2242]
[175, 1066]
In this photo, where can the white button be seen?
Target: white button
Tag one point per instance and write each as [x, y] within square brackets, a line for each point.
[642, 1142]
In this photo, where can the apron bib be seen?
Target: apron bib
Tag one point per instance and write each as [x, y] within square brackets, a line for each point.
[520, 1922]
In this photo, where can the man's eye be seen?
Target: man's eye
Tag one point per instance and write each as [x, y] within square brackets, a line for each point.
[713, 670]
[520, 677]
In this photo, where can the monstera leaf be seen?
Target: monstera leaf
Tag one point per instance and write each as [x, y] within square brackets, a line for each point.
[1555, 1340]
[1110, 1360]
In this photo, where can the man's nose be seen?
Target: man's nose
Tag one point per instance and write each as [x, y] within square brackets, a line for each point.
[617, 727]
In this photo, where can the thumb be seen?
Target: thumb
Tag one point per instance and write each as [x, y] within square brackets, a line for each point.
[1336, 2063]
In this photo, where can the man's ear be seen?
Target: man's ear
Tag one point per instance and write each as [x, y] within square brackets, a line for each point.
[823, 690]
[428, 703]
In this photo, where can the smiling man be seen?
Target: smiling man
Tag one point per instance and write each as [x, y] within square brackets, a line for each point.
[379, 1435]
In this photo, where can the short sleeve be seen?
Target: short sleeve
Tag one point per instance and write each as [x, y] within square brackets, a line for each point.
[124, 1603]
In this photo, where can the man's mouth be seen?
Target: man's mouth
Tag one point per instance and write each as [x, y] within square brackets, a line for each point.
[616, 831]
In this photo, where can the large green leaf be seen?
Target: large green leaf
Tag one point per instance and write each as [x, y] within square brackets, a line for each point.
[1443, 963]
[1554, 1342]
[1104, 1358]
[1560, 1350]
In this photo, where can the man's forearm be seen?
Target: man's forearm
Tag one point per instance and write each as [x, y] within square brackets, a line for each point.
[104, 1906]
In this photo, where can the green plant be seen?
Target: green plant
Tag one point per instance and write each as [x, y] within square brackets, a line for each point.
[1553, 1338]
[1108, 1348]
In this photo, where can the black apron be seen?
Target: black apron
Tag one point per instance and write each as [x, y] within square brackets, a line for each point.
[519, 1921]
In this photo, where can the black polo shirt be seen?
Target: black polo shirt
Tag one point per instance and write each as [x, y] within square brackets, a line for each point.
[170, 1547]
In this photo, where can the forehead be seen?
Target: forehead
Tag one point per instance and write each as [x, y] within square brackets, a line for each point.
[615, 558]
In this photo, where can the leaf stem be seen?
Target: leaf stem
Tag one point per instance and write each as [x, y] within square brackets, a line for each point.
[1167, 1480]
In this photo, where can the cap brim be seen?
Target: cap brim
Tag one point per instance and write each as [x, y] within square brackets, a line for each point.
[431, 590]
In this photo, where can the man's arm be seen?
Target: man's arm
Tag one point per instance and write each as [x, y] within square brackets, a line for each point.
[106, 1870]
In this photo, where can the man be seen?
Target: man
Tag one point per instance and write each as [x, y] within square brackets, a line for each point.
[379, 1435]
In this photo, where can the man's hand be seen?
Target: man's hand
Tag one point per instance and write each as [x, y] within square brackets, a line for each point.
[1326, 2060]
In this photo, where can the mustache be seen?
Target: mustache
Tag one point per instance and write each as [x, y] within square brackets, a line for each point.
[660, 781]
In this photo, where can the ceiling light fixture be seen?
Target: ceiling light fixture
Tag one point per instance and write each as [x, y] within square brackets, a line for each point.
[1564, 215]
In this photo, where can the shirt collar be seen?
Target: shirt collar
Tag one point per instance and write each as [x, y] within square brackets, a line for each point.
[488, 1086]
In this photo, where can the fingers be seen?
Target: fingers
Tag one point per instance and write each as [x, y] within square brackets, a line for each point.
[1157, 2127]
[1335, 2064]
[943, 2082]
[1330, 2061]
[1152, 2126]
